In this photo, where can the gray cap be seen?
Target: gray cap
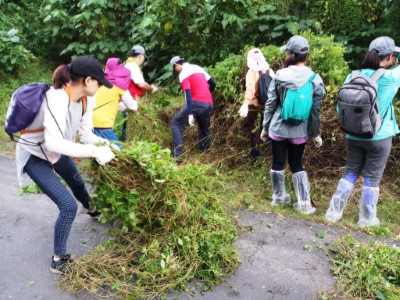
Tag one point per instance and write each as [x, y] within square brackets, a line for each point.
[296, 44]
[175, 59]
[384, 45]
[137, 49]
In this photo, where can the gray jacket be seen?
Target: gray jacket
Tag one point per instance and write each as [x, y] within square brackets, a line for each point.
[292, 77]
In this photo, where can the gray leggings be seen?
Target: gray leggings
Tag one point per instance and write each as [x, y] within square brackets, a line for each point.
[370, 156]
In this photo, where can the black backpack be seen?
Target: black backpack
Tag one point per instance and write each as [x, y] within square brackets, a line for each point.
[358, 106]
[263, 84]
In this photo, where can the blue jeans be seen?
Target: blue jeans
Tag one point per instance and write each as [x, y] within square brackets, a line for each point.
[202, 113]
[42, 174]
[108, 134]
[125, 120]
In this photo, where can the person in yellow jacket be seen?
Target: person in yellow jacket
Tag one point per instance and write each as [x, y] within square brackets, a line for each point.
[251, 109]
[108, 100]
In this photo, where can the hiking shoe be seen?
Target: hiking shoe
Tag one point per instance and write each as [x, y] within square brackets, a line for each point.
[61, 267]
[94, 213]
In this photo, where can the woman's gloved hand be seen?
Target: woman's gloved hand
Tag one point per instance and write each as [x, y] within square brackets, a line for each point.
[244, 110]
[103, 154]
[317, 141]
[264, 135]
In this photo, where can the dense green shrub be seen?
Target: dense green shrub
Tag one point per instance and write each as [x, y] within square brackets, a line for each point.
[166, 28]
[18, 36]
[13, 55]
[326, 57]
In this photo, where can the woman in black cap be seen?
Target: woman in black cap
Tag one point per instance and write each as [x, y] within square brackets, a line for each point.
[51, 146]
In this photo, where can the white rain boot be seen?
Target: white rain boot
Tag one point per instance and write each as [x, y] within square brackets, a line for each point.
[302, 190]
[369, 200]
[339, 200]
[279, 195]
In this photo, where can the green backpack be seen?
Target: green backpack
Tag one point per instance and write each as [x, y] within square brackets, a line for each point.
[297, 104]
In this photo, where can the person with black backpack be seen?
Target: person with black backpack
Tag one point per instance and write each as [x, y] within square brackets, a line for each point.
[47, 146]
[258, 78]
[290, 129]
[366, 114]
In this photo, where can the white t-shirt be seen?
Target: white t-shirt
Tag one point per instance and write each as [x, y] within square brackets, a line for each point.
[136, 72]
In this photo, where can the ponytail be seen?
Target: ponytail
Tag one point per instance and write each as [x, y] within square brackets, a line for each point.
[62, 76]
[295, 59]
[372, 60]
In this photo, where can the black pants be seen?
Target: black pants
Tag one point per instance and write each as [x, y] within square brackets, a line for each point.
[202, 113]
[250, 128]
[294, 153]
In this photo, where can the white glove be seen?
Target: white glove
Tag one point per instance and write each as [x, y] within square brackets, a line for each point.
[244, 110]
[154, 88]
[264, 135]
[103, 154]
[134, 106]
[121, 106]
[317, 142]
[191, 120]
[112, 145]
[115, 147]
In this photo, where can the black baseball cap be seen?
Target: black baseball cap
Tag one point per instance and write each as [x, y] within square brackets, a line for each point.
[87, 65]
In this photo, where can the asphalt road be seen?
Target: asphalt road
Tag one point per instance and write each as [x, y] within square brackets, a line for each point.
[281, 258]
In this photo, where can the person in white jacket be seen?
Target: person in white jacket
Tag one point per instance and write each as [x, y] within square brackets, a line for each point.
[47, 146]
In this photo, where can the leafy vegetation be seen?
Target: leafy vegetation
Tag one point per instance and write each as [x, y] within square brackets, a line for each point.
[367, 271]
[173, 226]
[165, 251]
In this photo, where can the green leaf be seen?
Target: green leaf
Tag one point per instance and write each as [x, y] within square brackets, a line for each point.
[162, 264]
[275, 34]
[321, 233]
[293, 27]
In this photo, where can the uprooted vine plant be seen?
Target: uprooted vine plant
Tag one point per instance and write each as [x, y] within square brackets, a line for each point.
[170, 227]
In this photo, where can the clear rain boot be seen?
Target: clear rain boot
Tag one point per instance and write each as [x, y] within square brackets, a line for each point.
[279, 195]
[339, 200]
[369, 200]
[302, 190]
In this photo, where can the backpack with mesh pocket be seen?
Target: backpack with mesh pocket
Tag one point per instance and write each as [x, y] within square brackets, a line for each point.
[358, 107]
[297, 103]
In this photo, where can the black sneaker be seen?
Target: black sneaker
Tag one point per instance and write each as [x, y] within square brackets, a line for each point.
[61, 267]
[94, 213]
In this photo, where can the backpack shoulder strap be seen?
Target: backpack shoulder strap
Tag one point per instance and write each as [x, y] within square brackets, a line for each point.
[84, 105]
[312, 77]
[84, 99]
[378, 74]
[355, 73]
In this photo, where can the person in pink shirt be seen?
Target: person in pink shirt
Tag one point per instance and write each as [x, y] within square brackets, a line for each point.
[197, 86]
